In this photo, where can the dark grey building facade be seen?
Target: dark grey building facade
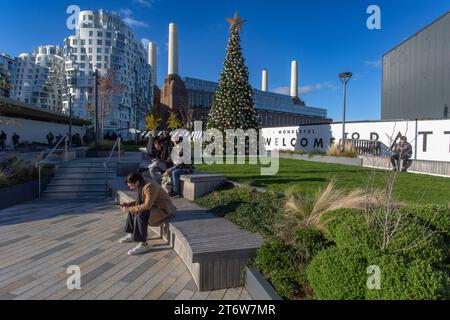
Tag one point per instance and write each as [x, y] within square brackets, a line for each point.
[275, 110]
[416, 75]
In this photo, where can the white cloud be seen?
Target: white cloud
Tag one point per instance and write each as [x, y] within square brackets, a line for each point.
[306, 89]
[135, 23]
[126, 12]
[374, 64]
[145, 3]
[145, 42]
[129, 20]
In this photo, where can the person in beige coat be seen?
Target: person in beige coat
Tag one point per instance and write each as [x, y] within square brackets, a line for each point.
[151, 208]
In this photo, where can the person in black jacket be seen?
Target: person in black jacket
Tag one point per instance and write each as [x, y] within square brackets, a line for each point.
[3, 138]
[402, 153]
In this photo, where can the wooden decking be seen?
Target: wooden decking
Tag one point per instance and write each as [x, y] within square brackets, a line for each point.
[40, 239]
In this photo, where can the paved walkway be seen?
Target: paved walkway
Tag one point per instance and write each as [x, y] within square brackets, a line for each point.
[40, 239]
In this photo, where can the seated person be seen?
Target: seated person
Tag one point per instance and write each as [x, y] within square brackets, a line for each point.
[151, 208]
[161, 161]
[402, 152]
[179, 167]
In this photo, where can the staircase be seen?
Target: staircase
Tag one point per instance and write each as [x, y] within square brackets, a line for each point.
[80, 179]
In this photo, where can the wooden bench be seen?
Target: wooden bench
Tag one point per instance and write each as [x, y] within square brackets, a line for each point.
[214, 250]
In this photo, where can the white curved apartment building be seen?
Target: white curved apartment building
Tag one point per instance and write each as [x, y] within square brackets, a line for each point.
[39, 78]
[104, 42]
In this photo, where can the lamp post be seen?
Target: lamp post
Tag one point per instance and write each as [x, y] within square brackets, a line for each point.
[70, 120]
[345, 78]
[96, 107]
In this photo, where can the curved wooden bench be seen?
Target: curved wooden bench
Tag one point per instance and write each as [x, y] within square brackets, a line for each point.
[214, 250]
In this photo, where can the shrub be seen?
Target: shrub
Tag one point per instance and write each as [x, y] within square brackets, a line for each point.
[334, 150]
[104, 146]
[14, 170]
[403, 280]
[261, 214]
[437, 216]
[351, 229]
[338, 274]
[254, 211]
[284, 264]
[277, 262]
[307, 212]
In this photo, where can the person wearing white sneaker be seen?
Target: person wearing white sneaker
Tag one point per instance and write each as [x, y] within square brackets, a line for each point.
[151, 208]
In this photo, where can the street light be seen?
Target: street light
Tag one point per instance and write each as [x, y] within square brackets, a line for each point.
[96, 107]
[345, 78]
[70, 119]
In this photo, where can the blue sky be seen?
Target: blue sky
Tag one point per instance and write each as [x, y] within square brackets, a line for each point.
[325, 36]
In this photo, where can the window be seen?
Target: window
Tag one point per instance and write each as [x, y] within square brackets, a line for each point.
[99, 34]
[83, 58]
[90, 58]
[90, 42]
[107, 51]
[108, 43]
[74, 42]
[99, 65]
[99, 58]
[83, 42]
[99, 42]
[90, 50]
[83, 50]
[99, 50]
[91, 33]
[108, 34]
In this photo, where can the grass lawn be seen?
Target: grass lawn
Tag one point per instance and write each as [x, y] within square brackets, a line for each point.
[132, 148]
[308, 176]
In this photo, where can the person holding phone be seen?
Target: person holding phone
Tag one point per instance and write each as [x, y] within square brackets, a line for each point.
[151, 208]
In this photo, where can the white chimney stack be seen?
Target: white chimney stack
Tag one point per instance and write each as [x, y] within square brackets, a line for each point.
[173, 49]
[265, 81]
[152, 62]
[294, 79]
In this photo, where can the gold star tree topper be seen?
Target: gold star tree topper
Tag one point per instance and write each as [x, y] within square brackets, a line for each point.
[236, 22]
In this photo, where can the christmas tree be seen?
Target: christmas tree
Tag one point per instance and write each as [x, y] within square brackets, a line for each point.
[233, 106]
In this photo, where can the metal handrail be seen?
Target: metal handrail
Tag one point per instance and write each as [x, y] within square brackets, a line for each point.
[105, 164]
[39, 163]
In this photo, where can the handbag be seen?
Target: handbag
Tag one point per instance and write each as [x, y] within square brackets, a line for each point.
[167, 184]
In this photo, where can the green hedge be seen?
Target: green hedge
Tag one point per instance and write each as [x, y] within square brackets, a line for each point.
[417, 273]
[254, 211]
[349, 229]
[403, 280]
[332, 263]
[284, 265]
[341, 274]
[338, 274]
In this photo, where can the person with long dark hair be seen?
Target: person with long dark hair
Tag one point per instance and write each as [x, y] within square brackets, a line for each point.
[151, 208]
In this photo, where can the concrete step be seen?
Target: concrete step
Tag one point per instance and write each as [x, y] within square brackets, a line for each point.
[73, 195]
[84, 182]
[85, 164]
[97, 176]
[76, 188]
[85, 170]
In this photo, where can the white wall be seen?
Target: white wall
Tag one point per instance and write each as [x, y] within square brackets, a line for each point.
[35, 131]
[308, 138]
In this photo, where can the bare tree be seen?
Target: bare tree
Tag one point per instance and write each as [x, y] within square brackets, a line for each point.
[107, 91]
[187, 115]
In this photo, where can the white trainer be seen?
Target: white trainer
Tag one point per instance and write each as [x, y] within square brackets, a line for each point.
[140, 249]
[127, 239]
